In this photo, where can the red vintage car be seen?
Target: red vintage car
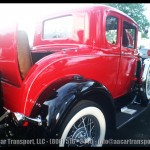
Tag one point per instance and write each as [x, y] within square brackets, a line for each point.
[82, 78]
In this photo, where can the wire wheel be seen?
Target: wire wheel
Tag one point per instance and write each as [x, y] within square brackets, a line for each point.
[85, 127]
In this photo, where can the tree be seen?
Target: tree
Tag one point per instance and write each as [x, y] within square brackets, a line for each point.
[135, 11]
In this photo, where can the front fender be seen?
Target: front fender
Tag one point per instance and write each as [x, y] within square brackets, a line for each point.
[55, 106]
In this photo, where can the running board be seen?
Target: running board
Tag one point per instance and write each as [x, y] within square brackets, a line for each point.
[128, 113]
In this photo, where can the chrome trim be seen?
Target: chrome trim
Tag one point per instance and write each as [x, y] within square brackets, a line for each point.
[20, 118]
[73, 48]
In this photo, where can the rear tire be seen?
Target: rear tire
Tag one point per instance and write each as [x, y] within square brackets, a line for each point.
[85, 126]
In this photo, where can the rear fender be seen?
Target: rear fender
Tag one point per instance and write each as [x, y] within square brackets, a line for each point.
[55, 106]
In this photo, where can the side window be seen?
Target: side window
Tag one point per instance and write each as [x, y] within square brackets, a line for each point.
[58, 28]
[111, 29]
[129, 35]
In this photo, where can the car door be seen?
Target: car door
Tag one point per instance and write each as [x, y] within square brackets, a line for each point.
[129, 53]
[109, 43]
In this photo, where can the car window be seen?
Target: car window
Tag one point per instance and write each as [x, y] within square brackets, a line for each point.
[111, 29]
[61, 27]
[129, 35]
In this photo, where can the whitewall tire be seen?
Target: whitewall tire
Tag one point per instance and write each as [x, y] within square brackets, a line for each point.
[85, 126]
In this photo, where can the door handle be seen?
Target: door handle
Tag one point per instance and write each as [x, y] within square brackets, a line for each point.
[126, 53]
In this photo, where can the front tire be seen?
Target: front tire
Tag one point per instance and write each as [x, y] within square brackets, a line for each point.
[148, 84]
[85, 126]
[145, 86]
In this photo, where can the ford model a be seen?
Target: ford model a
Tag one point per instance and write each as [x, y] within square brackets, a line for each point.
[82, 77]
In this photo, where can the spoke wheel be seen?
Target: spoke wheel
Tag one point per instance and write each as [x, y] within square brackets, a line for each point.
[85, 126]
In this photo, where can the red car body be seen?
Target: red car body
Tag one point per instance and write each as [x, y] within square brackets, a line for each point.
[86, 53]
[91, 57]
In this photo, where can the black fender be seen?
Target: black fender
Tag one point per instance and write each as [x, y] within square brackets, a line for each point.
[54, 105]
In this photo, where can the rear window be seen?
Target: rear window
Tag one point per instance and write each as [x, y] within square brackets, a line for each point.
[61, 27]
